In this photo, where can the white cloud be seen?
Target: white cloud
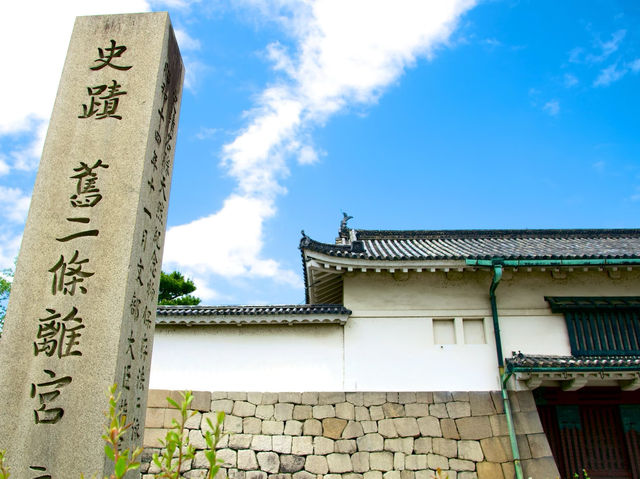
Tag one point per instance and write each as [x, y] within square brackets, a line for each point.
[634, 65]
[185, 41]
[39, 60]
[345, 53]
[15, 204]
[570, 80]
[552, 107]
[9, 247]
[610, 75]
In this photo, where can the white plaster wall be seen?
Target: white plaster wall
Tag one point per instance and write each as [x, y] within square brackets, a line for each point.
[248, 358]
[398, 354]
[545, 335]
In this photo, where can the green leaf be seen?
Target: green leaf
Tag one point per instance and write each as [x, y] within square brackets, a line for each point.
[121, 467]
[108, 451]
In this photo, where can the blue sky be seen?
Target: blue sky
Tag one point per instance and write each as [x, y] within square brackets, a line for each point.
[405, 114]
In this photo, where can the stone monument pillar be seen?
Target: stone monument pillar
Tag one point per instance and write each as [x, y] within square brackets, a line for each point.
[83, 303]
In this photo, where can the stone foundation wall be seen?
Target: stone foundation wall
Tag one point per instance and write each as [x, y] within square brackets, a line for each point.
[371, 435]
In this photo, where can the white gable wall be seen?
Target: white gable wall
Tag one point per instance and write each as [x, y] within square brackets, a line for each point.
[388, 342]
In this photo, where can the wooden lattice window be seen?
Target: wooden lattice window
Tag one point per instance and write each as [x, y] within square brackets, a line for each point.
[608, 326]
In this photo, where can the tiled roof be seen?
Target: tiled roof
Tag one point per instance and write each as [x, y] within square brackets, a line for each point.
[287, 314]
[483, 244]
[521, 362]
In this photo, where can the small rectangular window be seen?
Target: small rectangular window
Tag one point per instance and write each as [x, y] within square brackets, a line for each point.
[473, 331]
[444, 331]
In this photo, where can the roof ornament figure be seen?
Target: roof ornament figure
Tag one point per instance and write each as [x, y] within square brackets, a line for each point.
[344, 229]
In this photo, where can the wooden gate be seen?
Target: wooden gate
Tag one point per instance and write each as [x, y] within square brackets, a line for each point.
[595, 429]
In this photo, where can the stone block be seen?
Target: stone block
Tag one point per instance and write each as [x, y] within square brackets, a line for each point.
[316, 464]
[477, 427]
[304, 475]
[302, 412]
[467, 475]
[362, 413]
[392, 397]
[460, 395]
[381, 461]
[352, 475]
[339, 463]
[508, 470]
[332, 427]
[251, 425]
[423, 445]
[391, 474]
[272, 427]
[429, 426]
[193, 421]
[229, 457]
[498, 402]
[154, 417]
[406, 426]
[445, 447]
[523, 445]
[360, 461]
[352, 430]
[269, 398]
[312, 427]
[387, 429]
[345, 410]
[513, 401]
[247, 460]
[323, 411]
[491, 470]
[201, 401]
[481, 403]
[290, 463]
[269, 462]
[407, 474]
[152, 437]
[416, 409]
[293, 398]
[403, 444]
[398, 460]
[240, 441]
[539, 445]
[293, 428]
[435, 461]
[449, 429]
[526, 401]
[370, 442]
[458, 409]
[281, 444]
[237, 395]
[415, 462]
[438, 410]
[499, 426]
[376, 413]
[461, 465]
[310, 398]
[158, 397]
[219, 395]
[302, 445]
[196, 439]
[265, 411]
[236, 474]
[357, 399]
[323, 445]
[277, 476]
[256, 475]
[373, 475]
[494, 450]
[346, 446]
[331, 397]
[232, 424]
[283, 411]
[442, 397]
[527, 422]
[406, 397]
[424, 397]
[260, 442]
[470, 450]
[391, 410]
[369, 426]
[254, 398]
[374, 398]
